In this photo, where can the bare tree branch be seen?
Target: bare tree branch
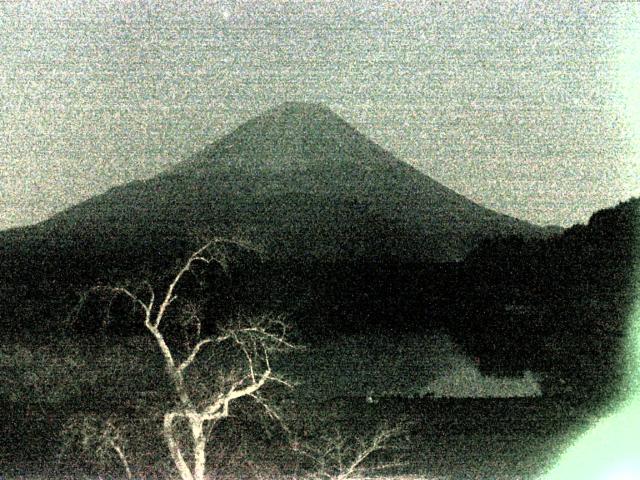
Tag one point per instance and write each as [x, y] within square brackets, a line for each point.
[102, 438]
[169, 297]
[335, 460]
[194, 352]
[255, 338]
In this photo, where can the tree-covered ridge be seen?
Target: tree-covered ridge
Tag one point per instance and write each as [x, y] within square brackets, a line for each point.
[558, 305]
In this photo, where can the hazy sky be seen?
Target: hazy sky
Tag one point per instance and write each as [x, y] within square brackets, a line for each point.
[531, 108]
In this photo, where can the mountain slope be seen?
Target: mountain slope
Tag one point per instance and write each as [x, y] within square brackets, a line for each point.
[301, 182]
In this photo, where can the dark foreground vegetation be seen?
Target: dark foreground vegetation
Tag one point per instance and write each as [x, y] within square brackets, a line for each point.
[555, 306]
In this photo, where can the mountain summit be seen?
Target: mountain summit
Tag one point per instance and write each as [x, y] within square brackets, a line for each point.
[289, 137]
[298, 180]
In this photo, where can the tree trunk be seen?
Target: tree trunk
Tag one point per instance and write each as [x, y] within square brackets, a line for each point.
[174, 449]
[199, 444]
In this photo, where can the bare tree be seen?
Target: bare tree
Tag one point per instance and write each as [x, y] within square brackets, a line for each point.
[336, 457]
[102, 439]
[257, 339]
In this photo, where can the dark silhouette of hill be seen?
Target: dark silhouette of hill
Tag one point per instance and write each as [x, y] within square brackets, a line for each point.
[558, 305]
[298, 181]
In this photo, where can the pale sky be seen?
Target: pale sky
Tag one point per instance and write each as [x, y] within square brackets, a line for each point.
[530, 108]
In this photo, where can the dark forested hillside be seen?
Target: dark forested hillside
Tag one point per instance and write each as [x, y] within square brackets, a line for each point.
[557, 305]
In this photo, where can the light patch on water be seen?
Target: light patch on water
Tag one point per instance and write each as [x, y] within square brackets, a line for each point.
[468, 382]
[405, 366]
